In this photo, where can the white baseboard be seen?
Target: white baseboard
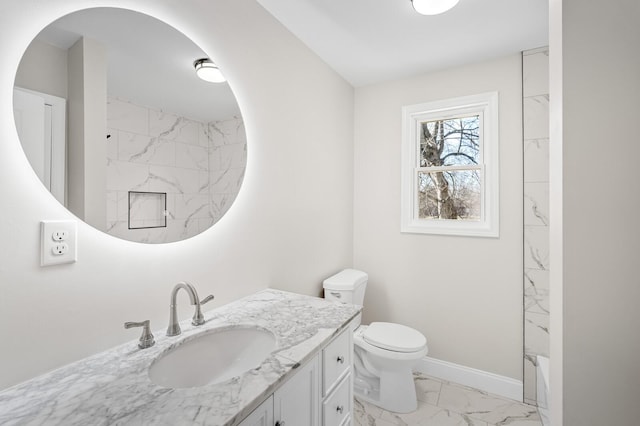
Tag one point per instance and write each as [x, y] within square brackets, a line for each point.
[482, 380]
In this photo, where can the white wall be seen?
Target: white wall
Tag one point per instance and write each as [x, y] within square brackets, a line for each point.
[44, 69]
[290, 227]
[595, 199]
[87, 131]
[464, 294]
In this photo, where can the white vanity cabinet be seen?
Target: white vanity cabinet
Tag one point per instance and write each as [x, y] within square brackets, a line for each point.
[297, 402]
[261, 416]
[319, 393]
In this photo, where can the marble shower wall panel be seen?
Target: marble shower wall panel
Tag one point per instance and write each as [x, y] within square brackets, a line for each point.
[199, 165]
[536, 117]
[228, 132]
[536, 204]
[536, 247]
[127, 117]
[535, 74]
[227, 161]
[536, 291]
[174, 128]
[536, 160]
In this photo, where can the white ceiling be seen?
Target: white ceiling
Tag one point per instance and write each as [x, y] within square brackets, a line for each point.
[365, 41]
[149, 62]
[370, 41]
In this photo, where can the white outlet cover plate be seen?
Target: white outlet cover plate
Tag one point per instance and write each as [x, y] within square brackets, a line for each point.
[47, 243]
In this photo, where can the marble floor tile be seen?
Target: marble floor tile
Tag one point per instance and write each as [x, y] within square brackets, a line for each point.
[366, 414]
[426, 415]
[431, 415]
[480, 405]
[427, 389]
[442, 403]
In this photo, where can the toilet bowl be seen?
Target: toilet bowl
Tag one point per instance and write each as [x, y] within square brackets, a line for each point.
[385, 353]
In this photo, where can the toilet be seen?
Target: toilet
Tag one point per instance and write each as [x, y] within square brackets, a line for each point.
[385, 353]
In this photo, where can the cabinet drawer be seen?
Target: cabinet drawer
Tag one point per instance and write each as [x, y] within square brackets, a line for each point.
[336, 360]
[337, 407]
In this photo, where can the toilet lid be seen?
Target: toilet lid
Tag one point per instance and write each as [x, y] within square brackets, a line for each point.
[394, 337]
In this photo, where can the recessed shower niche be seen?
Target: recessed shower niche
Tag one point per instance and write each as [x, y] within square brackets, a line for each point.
[118, 109]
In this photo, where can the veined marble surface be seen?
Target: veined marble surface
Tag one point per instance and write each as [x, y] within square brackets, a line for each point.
[200, 166]
[113, 387]
[536, 213]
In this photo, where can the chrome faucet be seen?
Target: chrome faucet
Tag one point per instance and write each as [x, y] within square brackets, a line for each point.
[146, 340]
[198, 318]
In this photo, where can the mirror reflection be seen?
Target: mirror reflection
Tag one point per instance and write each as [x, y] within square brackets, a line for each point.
[117, 125]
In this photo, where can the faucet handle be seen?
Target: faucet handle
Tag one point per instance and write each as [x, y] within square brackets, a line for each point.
[198, 318]
[209, 298]
[146, 340]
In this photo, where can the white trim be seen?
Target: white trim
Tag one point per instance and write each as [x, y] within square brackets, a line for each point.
[544, 49]
[484, 104]
[467, 376]
[446, 168]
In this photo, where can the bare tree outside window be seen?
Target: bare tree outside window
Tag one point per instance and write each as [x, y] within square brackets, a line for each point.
[449, 169]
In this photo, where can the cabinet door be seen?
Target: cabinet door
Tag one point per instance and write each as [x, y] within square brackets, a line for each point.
[297, 402]
[261, 416]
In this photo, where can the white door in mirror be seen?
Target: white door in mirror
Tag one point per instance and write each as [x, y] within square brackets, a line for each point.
[41, 125]
[59, 242]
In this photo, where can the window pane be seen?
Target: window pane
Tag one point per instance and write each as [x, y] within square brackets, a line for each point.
[449, 195]
[452, 142]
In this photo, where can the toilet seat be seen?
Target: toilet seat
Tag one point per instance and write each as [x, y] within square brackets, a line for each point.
[394, 337]
[362, 344]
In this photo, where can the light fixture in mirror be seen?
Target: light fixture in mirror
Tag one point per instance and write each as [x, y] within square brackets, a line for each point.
[117, 108]
[208, 71]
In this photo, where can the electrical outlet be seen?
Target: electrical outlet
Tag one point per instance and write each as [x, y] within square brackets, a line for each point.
[59, 242]
[60, 235]
[59, 249]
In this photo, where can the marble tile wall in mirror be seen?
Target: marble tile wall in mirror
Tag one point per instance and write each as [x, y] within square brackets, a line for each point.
[199, 165]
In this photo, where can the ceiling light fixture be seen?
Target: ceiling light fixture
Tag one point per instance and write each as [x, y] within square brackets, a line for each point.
[433, 7]
[208, 71]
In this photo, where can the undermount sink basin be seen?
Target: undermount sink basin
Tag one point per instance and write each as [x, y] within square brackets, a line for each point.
[212, 357]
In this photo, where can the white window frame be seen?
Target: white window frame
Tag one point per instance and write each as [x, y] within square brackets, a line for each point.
[486, 106]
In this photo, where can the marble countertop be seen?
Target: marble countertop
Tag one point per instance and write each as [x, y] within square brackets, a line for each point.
[113, 388]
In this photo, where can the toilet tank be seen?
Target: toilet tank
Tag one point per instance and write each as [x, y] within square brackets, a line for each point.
[347, 286]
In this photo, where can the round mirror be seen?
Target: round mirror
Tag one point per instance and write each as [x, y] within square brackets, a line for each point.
[119, 127]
